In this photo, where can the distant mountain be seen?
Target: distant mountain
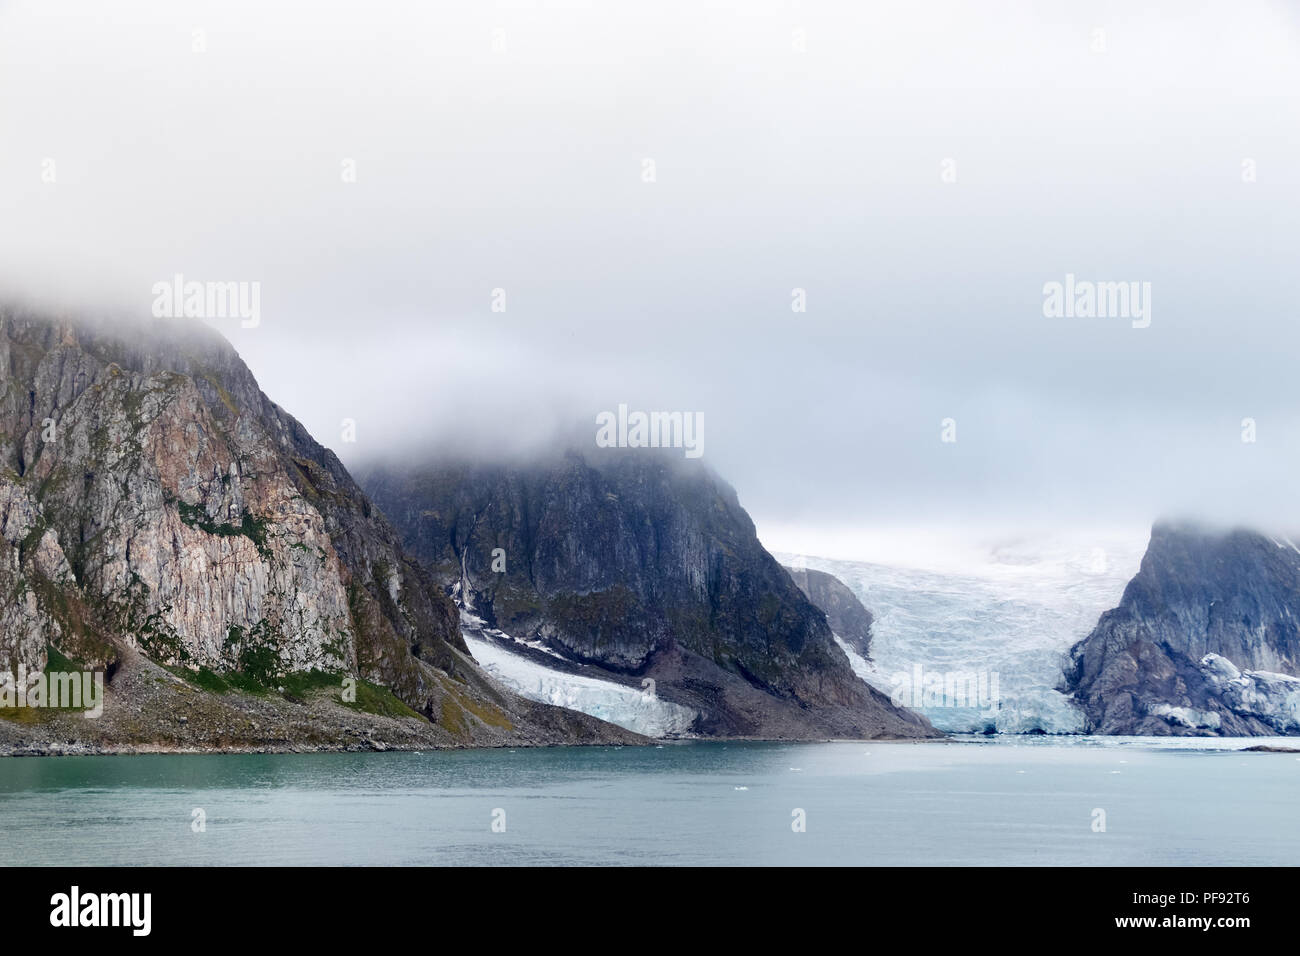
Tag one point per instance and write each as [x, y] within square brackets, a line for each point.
[633, 563]
[1206, 640]
[154, 502]
[844, 612]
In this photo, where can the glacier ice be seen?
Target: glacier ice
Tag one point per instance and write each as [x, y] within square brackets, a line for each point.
[1188, 716]
[1009, 616]
[1273, 698]
[629, 707]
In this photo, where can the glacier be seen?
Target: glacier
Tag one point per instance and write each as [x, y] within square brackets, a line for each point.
[630, 707]
[1009, 615]
[1273, 698]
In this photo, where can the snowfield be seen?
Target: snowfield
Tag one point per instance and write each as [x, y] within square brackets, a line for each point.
[627, 707]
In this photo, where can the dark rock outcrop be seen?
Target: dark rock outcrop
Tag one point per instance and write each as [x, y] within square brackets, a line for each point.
[154, 500]
[638, 562]
[1205, 641]
[844, 612]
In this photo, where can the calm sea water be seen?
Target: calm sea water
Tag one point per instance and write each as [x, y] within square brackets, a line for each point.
[1027, 801]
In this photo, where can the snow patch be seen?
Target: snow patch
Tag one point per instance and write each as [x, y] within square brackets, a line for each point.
[1270, 697]
[628, 707]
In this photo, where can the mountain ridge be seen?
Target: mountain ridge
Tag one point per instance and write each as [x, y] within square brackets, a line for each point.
[155, 503]
[1205, 640]
[642, 564]
[848, 618]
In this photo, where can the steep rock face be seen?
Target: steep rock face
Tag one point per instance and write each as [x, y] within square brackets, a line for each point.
[1206, 640]
[639, 564]
[32, 568]
[844, 612]
[153, 499]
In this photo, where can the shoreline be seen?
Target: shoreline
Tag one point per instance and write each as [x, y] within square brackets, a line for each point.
[379, 746]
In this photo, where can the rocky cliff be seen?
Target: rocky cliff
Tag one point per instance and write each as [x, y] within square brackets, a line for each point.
[157, 509]
[844, 612]
[1206, 640]
[638, 563]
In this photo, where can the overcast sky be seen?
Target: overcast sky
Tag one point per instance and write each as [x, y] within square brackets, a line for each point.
[794, 145]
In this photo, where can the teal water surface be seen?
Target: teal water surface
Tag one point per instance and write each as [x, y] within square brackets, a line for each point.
[962, 802]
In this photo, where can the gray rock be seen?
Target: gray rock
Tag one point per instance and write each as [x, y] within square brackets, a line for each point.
[638, 563]
[844, 612]
[1205, 641]
[154, 500]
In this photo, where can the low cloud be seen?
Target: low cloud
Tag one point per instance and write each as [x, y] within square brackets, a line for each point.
[456, 244]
